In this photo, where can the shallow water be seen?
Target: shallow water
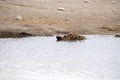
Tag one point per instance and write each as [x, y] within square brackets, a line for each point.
[42, 58]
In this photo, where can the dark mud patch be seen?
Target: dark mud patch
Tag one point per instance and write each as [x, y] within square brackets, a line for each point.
[7, 34]
[2, 0]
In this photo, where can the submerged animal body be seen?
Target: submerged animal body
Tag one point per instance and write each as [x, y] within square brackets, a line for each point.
[70, 37]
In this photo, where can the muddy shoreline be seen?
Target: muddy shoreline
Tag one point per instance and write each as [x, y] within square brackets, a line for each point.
[45, 18]
[13, 34]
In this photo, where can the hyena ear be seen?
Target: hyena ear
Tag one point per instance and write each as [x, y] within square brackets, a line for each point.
[59, 38]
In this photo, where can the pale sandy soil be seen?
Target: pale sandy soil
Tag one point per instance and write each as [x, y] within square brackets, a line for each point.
[42, 17]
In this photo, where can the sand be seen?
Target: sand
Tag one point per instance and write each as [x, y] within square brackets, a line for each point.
[44, 17]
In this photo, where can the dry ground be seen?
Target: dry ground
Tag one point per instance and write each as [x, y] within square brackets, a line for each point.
[42, 17]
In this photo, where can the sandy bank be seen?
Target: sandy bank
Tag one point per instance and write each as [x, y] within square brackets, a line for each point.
[42, 17]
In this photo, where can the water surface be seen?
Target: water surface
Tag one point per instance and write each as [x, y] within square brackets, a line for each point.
[42, 58]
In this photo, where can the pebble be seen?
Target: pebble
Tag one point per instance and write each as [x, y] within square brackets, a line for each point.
[113, 1]
[86, 1]
[18, 18]
[61, 9]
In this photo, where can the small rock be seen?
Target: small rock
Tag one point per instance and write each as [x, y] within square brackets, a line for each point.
[113, 1]
[86, 1]
[61, 9]
[18, 18]
[66, 19]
